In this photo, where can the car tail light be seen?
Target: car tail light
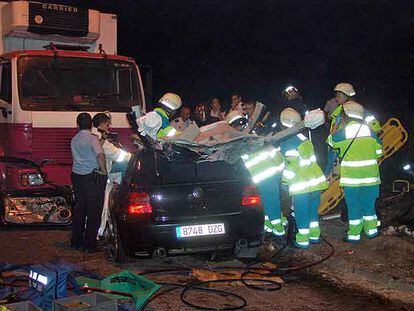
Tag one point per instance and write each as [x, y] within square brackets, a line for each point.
[139, 204]
[251, 197]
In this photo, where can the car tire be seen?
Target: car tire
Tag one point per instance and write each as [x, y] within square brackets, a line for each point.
[114, 250]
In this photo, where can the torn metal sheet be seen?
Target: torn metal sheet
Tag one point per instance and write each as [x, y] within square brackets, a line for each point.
[221, 142]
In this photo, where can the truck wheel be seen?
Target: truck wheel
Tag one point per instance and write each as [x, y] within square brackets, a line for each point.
[114, 250]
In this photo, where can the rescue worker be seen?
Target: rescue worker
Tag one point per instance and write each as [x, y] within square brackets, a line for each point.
[293, 99]
[183, 121]
[305, 180]
[333, 108]
[102, 123]
[265, 167]
[167, 105]
[344, 92]
[359, 150]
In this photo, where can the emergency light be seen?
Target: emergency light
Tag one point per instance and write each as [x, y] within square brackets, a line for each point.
[50, 282]
[37, 280]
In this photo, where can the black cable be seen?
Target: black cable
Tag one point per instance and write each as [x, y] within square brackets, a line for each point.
[312, 264]
[249, 270]
[265, 287]
[195, 286]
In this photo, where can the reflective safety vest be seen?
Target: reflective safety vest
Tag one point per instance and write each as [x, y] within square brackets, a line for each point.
[114, 154]
[359, 148]
[264, 163]
[166, 129]
[302, 173]
[337, 117]
[337, 120]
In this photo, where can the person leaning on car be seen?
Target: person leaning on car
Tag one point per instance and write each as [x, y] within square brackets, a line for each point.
[101, 127]
[89, 176]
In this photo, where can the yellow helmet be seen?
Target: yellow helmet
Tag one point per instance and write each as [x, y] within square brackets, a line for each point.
[289, 117]
[170, 102]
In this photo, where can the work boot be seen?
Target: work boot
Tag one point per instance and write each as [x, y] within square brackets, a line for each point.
[277, 227]
[352, 239]
[315, 232]
[354, 231]
[370, 226]
[302, 238]
[301, 245]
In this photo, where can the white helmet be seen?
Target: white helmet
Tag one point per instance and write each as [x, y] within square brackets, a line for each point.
[170, 102]
[235, 118]
[353, 110]
[289, 117]
[291, 92]
[345, 88]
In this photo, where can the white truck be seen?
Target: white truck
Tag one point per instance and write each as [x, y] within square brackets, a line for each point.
[55, 62]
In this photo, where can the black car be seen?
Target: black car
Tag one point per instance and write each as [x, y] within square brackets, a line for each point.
[177, 203]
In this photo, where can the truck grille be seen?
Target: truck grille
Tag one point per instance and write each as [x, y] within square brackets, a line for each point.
[53, 144]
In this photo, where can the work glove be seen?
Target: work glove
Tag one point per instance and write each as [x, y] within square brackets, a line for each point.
[314, 118]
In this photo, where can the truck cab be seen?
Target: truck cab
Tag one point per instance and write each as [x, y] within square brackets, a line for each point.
[56, 61]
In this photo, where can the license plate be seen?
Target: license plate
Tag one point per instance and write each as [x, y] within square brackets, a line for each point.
[200, 230]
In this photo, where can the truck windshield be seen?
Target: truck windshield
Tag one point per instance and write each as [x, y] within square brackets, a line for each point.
[74, 84]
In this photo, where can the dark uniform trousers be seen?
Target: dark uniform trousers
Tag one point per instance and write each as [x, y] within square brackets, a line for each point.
[89, 198]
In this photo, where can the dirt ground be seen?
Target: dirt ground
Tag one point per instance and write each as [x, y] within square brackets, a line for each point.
[306, 291]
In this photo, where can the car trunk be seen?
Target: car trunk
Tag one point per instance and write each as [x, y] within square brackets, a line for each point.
[183, 188]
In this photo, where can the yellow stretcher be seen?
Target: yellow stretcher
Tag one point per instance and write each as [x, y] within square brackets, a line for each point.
[393, 136]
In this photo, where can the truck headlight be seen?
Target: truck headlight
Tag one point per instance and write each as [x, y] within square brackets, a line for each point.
[32, 179]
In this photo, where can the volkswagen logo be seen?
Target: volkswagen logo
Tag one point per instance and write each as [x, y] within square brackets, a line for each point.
[197, 193]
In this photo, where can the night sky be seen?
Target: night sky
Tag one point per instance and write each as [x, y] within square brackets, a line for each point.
[206, 48]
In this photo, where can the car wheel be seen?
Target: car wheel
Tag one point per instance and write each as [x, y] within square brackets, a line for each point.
[114, 250]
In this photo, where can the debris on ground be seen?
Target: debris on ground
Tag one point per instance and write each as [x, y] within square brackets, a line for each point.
[234, 277]
[402, 230]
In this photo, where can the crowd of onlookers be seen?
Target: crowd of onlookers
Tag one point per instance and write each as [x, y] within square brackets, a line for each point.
[207, 112]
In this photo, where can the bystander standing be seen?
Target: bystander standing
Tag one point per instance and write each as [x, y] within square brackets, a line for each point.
[89, 176]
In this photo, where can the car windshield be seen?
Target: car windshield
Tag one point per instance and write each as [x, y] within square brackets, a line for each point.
[74, 84]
